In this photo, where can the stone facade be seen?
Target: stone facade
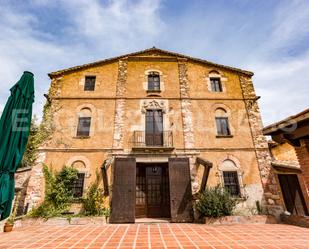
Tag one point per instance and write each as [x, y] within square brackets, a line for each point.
[272, 198]
[117, 107]
[186, 105]
[120, 104]
[22, 178]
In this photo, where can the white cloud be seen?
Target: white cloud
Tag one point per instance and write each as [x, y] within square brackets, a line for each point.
[103, 30]
[291, 23]
[95, 29]
[283, 86]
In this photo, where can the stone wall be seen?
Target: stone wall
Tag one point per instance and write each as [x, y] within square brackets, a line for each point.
[296, 220]
[22, 177]
[273, 201]
[120, 104]
[187, 120]
[36, 187]
[186, 106]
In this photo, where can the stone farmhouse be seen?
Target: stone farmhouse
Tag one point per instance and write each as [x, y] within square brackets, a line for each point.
[158, 126]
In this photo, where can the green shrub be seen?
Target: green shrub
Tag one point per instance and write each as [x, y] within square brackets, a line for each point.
[215, 202]
[58, 192]
[94, 201]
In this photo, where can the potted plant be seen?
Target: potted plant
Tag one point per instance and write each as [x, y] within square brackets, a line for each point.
[8, 226]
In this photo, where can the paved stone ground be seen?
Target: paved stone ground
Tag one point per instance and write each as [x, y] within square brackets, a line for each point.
[164, 235]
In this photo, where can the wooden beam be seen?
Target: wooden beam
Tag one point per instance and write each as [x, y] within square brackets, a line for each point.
[207, 166]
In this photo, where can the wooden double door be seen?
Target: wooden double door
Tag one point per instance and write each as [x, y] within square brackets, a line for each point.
[152, 191]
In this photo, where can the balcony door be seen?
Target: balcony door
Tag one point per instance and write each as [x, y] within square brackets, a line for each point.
[154, 128]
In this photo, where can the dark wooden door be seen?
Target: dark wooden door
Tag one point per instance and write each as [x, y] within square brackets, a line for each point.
[123, 192]
[154, 195]
[154, 128]
[180, 190]
[140, 202]
[152, 191]
[292, 194]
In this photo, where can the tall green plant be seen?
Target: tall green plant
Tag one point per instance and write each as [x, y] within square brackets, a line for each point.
[215, 202]
[94, 201]
[58, 192]
[30, 154]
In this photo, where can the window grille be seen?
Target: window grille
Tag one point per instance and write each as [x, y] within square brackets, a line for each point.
[78, 185]
[231, 182]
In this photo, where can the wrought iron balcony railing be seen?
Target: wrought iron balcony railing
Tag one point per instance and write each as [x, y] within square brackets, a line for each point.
[142, 139]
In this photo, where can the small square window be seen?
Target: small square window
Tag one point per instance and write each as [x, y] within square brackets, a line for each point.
[223, 128]
[89, 83]
[215, 84]
[83, 129]
[231, 182]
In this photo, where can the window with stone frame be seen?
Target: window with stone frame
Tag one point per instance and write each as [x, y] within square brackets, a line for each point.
[89, 83]
[222, 122]
[215, 84]
[223, 126]
[78, 185]
[84, 123]
[83, 129]
[231, 183]
[154, 81]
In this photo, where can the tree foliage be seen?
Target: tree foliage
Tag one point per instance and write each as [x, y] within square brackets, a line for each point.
[58, 192]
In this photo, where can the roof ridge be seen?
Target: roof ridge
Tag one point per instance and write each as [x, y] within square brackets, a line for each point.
[62, 71]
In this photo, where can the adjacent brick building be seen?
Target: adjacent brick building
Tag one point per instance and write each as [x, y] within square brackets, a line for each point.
[159, 126]
[291, 162]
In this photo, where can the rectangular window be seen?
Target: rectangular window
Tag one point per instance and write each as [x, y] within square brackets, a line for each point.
[215, 84]
[78, 185]
[153, 82]
[83, 129]
[154, 128]
[231, 182]
[89, 83]
[222, 126]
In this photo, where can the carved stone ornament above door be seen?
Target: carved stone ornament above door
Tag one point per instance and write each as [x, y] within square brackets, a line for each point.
[153, 104]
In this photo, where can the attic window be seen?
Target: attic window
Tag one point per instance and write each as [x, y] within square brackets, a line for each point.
[153, 81]
[89, 83]
[215, 84]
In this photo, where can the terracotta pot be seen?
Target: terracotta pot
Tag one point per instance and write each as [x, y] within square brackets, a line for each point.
[7, 227]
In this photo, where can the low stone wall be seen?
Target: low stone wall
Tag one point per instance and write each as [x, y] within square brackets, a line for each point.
[253, 219]
[25, 222]
[296, 220]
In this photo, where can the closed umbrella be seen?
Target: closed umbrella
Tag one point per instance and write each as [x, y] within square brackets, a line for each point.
[14, 131]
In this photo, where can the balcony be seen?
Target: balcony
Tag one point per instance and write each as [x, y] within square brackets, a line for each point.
[161, 141]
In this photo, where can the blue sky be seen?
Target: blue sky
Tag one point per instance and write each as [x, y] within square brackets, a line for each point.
[269, 37]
